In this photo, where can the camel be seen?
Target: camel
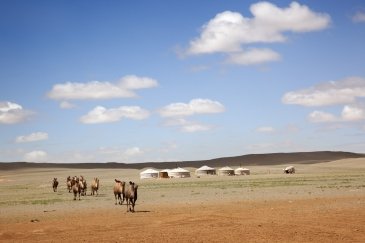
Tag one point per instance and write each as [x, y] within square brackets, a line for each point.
[95, 186]
[119, 191]
[76, 187]
[83, 185]
[69, 183]
[131, 196]
[55, 184]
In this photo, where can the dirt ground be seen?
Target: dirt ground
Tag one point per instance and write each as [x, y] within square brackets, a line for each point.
[322, 203]
[334, 219]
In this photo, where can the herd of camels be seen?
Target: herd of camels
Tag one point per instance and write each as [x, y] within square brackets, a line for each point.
[122, 192]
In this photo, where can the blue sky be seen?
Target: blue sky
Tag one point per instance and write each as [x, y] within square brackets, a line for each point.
[98, 81]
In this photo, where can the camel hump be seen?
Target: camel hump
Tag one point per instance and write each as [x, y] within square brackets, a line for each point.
[118, 181]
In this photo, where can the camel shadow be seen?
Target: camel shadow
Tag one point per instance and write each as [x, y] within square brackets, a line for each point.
[142, 211]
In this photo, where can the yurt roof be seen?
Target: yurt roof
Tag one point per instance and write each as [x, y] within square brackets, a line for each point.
[149, 171]
[242, 169]
[179, 170]
[226, 168]
[205, 168]
[289, 167]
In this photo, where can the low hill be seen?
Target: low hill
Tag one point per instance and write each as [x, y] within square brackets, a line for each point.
[243, 160]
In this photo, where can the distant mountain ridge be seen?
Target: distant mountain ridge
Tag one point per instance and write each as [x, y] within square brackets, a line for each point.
[243, 160]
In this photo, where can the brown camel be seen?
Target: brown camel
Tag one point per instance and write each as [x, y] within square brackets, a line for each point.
[95, 186]
[55, 184]
[119, 191]
[69, 183]
[76, 187]
[83, 185]
[131, 196]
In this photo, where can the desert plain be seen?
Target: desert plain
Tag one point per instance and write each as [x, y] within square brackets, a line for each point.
[322, 202]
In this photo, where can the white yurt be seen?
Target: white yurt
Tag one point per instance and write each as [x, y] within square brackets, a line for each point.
[179, 173]
[289, 170]
[148, 174]
[205, 170]
[226, 171]
[242, 171]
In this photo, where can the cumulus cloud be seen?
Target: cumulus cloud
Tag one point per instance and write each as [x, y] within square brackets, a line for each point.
[133, 151]
[329, 93]
[265, 129]
[33, 137]
[253, 56]
[320, 116]
[194, 107]
[359, 17]
[132, 154]
[188, 126]
[133, 82]
[350, 113]
[353, 113]
[101, 114]
[177, 112]
[101, 90]
[228, 31]
[36, 156]
[11, 113]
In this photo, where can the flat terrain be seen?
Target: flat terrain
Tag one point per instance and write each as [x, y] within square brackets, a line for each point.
[322, 202]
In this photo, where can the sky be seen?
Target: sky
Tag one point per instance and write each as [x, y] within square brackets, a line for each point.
[144, 81]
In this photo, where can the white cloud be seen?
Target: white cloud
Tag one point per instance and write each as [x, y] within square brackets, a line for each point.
[253, 56]
[102, 115]
[133, 151]
[33, 137]
[359, 17]
[36, 156]
[350, 113]
[194, 107]
[11, 113]
[353, 113]
[228, 31]
[135, 82]
[329, 93]
[118, 154]
[188, 126]
[101, 90]
[67, 105]
[320, 116]
[265, 129]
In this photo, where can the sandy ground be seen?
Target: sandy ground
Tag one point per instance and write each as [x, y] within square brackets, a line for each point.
[340, 219]
[311, 207]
